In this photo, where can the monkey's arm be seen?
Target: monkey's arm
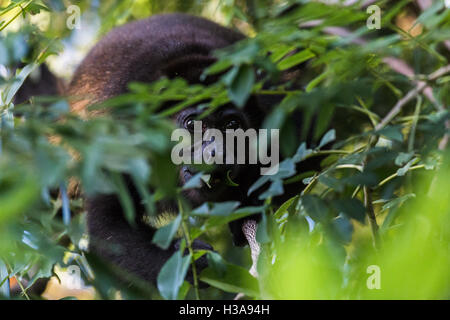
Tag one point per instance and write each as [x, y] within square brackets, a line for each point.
[114, 239]
[129, 247]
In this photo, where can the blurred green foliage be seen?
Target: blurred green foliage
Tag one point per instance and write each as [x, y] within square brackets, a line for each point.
[379, 203]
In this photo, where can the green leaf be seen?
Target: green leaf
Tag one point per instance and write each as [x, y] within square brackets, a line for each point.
[315, 207]
[234, 279]
[361, 178]
[327, 138]
[342, 229]
[230, 76]
[11, 91]
[194, 182]
[35, 8]
[275, 119]
[241, 86]
[164, 235]
[217, 67]
[275, 189]
[284, 207]
[184, 289]
[286, 169]
[18, 190]
[243, 52]
[393, 206]
[262, 232]
[302, 153]
[229, 181]
[216, 209]
[403, 158]
[201, 210]
[402, 171]
[352, 208]
[258, 183]
[220, 220]
[397, 202]
[295, 59]
[216, 262]
[224, 208]
[331, 182]
[313, 83]
[392, 133]
[124, 197]
[172, 274]
[324, 117]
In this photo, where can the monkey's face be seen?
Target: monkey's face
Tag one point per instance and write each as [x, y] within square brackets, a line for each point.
[209, 147]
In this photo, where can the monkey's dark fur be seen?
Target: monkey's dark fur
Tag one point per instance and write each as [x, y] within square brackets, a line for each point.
[44, 83]
[173, 45]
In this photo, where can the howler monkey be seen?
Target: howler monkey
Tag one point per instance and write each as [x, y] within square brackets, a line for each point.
[170, 45]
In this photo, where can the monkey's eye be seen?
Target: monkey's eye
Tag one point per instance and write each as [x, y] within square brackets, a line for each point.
[189, 124]
[232, 124]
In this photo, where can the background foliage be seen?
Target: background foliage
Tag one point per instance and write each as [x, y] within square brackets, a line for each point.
[378, 97]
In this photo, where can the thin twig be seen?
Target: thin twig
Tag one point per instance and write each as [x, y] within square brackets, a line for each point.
[372, 218]
[24, 292]
[368, 199]
[444, 141]
[415, 120]
[310, 184]
[16, 15]
[395, 64]
[410, 95]
[392, 176]
[190, 249]
[278, 92]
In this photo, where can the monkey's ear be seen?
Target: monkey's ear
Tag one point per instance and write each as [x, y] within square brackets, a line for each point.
[41, 82]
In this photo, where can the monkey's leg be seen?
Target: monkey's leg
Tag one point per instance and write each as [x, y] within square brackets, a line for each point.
[249, 230]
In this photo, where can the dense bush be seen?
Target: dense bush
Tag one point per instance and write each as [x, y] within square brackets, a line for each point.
[379, 97]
